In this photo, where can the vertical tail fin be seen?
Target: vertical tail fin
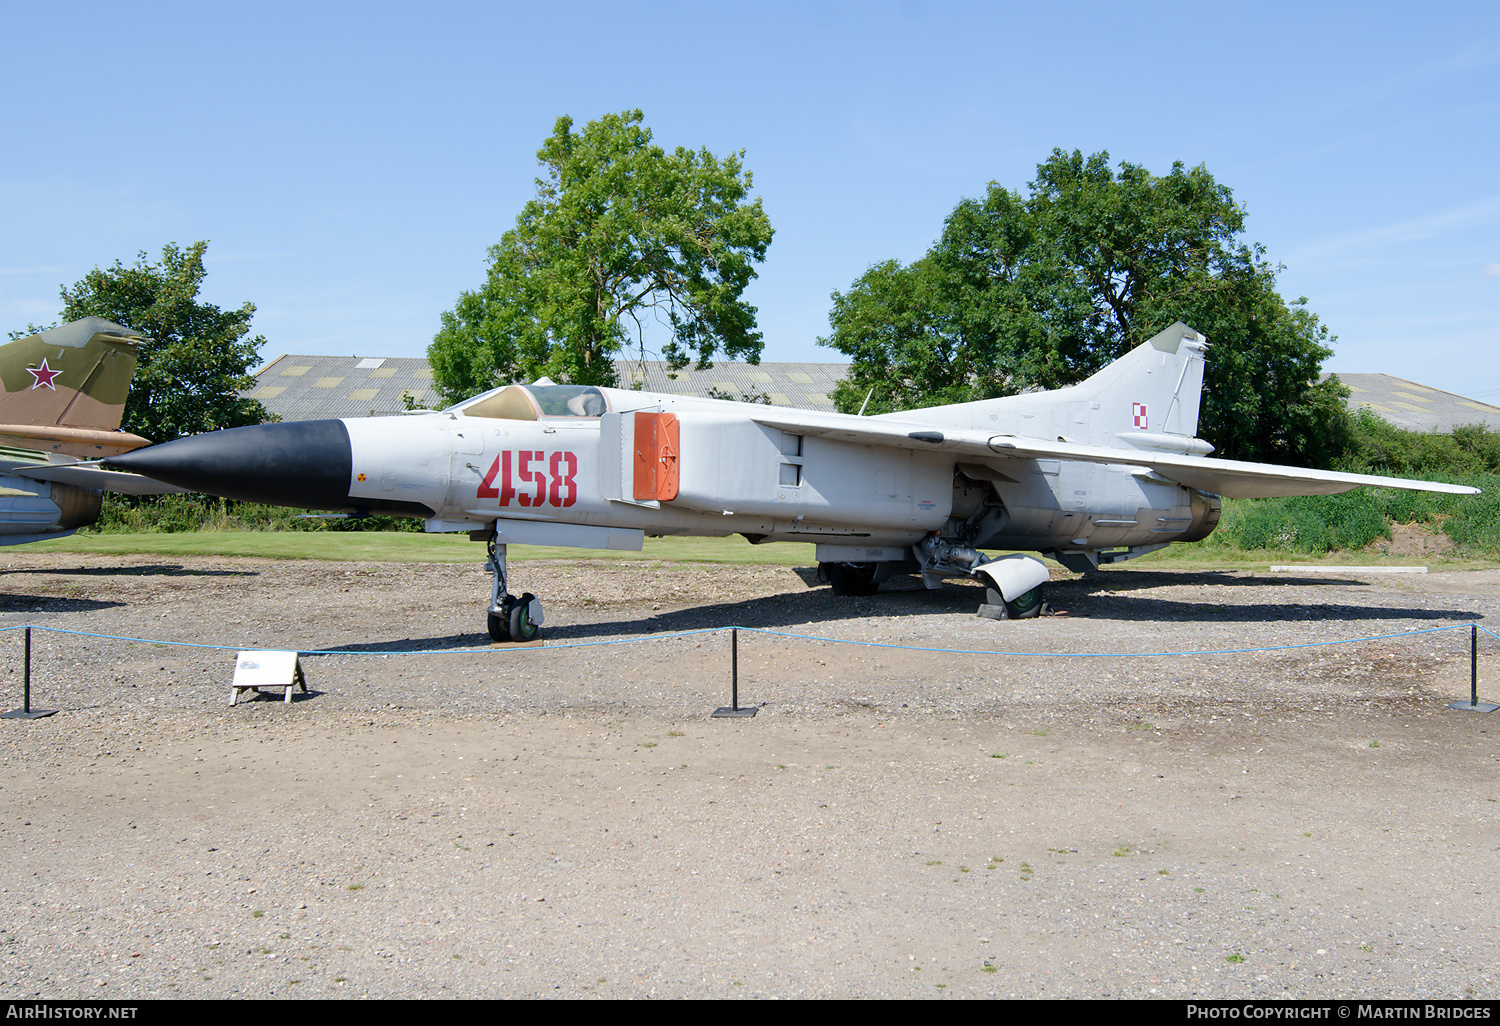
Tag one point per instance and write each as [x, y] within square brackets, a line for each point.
[1149, 397]
[63, 390]
[75, 375]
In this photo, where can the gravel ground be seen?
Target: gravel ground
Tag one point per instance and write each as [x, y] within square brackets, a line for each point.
[549, 820]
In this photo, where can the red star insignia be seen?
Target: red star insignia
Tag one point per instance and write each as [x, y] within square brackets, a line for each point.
[43, 375]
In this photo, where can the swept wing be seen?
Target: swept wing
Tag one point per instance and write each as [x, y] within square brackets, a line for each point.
[1231, 478]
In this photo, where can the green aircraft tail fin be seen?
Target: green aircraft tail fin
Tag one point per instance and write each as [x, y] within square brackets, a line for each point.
[75, 375]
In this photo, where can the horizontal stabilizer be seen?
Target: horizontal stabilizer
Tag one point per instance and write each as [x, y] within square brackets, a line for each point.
[97, 478]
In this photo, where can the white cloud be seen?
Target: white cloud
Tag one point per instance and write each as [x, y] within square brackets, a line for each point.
[1426, 227]
[1492, 270]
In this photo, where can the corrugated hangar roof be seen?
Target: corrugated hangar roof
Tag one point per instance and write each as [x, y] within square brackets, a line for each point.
[328, 387]
[1416, 407]
[802, 386]
[319, 387]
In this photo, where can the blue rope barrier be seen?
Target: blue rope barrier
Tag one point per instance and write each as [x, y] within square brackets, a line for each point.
[348, 652]
[1121, 655]
[766, 631]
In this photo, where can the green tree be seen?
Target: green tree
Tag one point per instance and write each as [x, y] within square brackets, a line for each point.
[620, 232]
[1040, 290]
[197, 357]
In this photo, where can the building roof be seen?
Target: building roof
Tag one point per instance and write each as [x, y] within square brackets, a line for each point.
[330, 387]
[1416, 407]
[327, 387]
[802, 386]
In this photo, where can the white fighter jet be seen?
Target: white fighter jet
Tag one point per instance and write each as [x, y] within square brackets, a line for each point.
[1099, 472]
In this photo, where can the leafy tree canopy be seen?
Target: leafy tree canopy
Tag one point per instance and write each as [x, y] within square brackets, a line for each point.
[620, 232]
[196, 358]
[1041, 290]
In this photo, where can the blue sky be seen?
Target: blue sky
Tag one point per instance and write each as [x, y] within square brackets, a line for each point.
[352, 163]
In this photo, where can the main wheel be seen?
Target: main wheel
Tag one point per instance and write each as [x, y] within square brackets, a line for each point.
[521, 627]
[852, 578]
[1025, 605]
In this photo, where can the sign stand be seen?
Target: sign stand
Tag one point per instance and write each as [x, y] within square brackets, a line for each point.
[258, 670]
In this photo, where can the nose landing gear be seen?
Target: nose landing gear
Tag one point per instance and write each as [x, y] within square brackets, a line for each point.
[510, 618]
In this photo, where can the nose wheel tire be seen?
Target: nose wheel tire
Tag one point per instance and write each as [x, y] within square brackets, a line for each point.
[499, 627]
[499, 623]
[521, 626]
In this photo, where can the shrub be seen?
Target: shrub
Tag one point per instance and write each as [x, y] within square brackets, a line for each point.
[1378, 447]
[168, 514]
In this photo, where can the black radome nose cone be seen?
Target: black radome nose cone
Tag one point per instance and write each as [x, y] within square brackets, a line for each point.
[304, 464]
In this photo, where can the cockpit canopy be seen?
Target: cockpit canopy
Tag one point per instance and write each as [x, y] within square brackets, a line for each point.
[530, 402]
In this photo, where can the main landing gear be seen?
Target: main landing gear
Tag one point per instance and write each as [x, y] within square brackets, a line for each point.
[850, 578]
[1022, 607]
[1013, 583]
[510, 618]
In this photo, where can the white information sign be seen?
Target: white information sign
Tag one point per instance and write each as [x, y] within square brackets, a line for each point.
[255, 670]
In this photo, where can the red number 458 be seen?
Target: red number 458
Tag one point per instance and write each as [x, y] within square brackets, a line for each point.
[541, 479]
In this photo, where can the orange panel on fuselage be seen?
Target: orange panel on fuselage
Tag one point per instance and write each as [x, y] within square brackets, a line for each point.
[656, 457]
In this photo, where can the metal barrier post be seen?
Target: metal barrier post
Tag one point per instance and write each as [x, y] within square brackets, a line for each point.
[733, 708]
[26, 712]
[1474, 704]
